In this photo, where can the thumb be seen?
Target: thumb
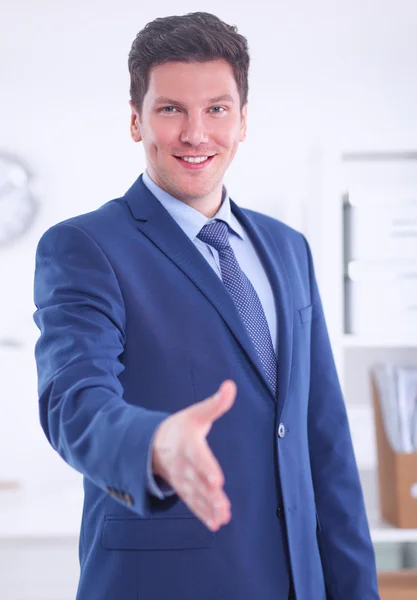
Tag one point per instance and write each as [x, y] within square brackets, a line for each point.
[215, 406]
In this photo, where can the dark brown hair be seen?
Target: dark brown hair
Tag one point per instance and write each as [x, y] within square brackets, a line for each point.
[195, 37]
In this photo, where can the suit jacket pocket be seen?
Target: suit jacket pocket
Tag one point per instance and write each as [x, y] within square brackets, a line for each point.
[306, 313]
[173, 533]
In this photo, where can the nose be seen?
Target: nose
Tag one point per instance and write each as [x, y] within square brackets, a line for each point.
[194, 131]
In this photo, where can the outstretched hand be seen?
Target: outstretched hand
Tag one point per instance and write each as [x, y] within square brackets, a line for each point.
[183, 458]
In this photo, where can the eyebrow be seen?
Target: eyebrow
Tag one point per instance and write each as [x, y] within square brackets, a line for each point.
[222, 98]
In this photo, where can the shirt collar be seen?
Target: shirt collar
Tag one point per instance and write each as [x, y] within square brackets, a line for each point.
[188, 218]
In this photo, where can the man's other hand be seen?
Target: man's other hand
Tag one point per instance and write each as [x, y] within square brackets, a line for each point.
[182, 457]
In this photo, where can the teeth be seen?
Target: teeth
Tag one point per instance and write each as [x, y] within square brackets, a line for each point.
[191, 159]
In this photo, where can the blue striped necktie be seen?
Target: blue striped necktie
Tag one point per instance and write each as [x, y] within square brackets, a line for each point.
[216, 234]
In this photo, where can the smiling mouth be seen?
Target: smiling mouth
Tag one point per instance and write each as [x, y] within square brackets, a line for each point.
[191, 162]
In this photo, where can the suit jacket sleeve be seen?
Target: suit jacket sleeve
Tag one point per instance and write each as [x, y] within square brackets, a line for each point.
[343, 533]
[81, 317]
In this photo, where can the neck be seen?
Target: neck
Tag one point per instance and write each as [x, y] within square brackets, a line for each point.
[206, 205]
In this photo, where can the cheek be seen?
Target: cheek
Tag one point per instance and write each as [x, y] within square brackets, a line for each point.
[227, 135]
[163, 135]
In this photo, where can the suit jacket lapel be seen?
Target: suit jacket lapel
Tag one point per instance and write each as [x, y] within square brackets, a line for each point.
[270, 255]
[157, 224]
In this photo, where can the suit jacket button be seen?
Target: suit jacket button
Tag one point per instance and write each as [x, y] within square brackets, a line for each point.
[281, 430]
[280, 512]
[128, 499]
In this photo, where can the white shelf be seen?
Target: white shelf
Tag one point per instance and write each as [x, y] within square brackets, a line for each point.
[373, 341]
[384, 532]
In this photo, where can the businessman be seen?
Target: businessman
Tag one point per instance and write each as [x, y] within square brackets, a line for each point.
[184, 367]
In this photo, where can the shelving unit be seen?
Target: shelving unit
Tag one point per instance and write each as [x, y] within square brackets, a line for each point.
[328, 177]
[353, 341]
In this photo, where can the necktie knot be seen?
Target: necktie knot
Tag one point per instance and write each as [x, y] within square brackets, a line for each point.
[215, 234]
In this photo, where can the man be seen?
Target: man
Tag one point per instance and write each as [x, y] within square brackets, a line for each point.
[184, 364]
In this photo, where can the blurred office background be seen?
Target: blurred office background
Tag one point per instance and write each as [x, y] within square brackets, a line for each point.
[331, 150]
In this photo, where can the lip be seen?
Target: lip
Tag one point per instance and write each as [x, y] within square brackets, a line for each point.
[195, 166]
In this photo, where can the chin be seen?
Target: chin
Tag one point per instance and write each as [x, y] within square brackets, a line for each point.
[192, 189]
[196, 192]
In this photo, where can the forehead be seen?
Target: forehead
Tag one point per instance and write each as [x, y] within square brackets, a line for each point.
[191, 81]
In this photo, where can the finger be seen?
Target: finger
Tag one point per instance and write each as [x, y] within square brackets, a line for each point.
[215, 406]
[202, 514]
[213, 512]
[210, 504]
[209, 507]
[219, 507]
[217, 511]
[215, 500]
[207, 467]
[188, 492]
[189, 481]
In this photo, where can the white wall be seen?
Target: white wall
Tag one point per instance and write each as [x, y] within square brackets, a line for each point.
[333, 75]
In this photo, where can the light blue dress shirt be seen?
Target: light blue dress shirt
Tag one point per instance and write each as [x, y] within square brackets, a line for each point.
[191, 222]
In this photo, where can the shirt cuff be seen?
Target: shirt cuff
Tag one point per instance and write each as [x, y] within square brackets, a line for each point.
[156, 485]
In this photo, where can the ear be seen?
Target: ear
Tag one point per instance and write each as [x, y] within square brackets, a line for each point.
[134, 124]
[243, 123]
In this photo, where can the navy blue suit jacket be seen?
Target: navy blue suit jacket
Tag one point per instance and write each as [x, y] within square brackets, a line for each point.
[135, 325]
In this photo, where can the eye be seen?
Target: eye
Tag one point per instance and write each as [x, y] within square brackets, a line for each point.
[165, 109]
[218, 111]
